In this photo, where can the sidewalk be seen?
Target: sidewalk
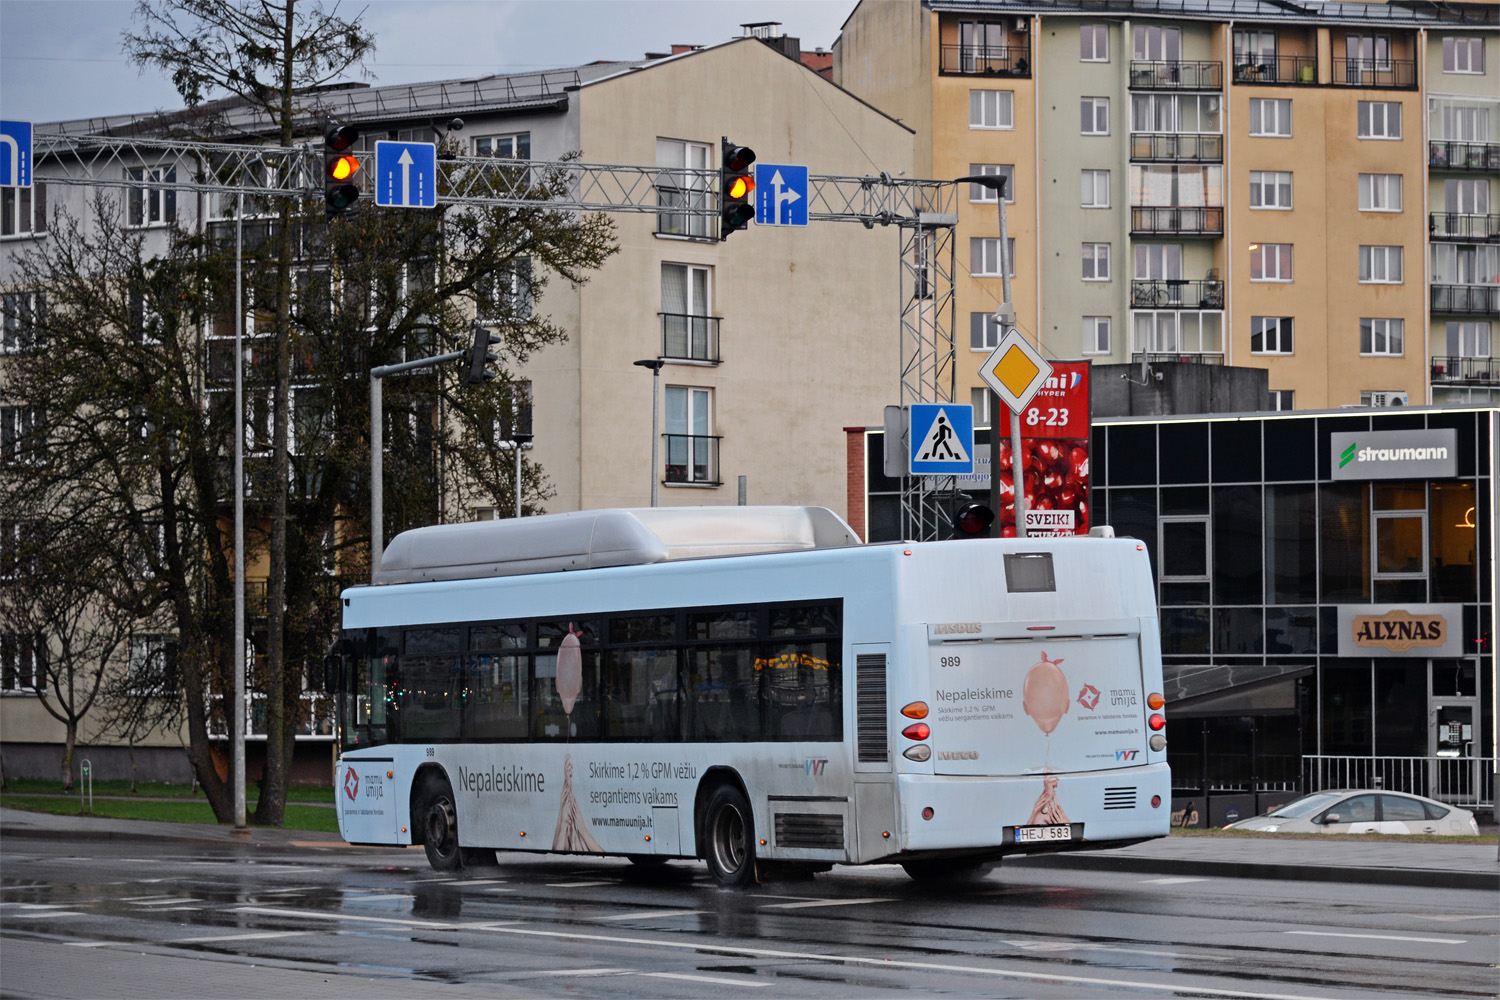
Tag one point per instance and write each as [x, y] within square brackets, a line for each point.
[1382, 861]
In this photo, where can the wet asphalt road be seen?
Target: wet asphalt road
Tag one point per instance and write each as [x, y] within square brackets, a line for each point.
[122, 919]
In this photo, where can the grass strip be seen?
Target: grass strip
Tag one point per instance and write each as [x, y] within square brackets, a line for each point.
[298, 817]
[157, 790]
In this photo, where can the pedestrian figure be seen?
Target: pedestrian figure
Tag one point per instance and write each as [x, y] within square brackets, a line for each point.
[940, 446]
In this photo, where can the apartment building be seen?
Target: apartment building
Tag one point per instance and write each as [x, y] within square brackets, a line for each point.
[1303, 188]
[770, 342]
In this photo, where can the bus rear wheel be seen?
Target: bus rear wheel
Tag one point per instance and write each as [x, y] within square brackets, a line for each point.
[729, 832]
[440, 830]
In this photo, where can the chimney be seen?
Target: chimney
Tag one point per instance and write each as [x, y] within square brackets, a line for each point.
[770, 33]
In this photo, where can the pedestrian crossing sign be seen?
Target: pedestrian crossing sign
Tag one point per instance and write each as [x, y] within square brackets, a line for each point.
[942, 439]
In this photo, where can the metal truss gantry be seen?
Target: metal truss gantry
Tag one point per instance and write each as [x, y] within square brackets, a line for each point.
[924, 211]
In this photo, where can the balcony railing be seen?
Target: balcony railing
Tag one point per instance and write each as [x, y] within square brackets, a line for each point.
[1164, 358]
[1384, 74]
[1465, 228]
[1177, 221]
[1465, 371]
[1451, 155]
[986, 60]
[1466, 300]
[692, 458]
[1458, 781]
[1177, 147]
[1198, 75]
[690, 338]
[1175, 294]
[1277, 69]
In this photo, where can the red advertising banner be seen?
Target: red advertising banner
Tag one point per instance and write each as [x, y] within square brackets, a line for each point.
[1055, 459]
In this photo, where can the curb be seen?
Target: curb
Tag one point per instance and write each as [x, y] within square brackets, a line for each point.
[226, 838]
[1415, 877]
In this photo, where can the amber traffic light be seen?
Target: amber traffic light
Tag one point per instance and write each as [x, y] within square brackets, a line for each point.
[736, 187]
[339, 167]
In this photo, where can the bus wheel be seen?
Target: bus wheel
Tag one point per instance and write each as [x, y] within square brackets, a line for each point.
[730, 830]
[440, 830]
[947, 870]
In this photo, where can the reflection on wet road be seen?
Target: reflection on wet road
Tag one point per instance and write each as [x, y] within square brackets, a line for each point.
[136, 919]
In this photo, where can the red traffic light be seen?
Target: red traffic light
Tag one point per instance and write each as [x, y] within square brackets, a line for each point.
[973, 520]
[737, 158]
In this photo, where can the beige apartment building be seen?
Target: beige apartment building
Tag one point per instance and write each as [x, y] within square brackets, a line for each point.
[1304, 188]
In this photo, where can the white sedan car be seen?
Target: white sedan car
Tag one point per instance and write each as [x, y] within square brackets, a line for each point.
[1363, 811]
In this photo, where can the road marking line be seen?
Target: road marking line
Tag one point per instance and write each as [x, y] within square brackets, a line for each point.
[371, 899]
[1380, 937]
[824, 902]
[1170, 881]
[485, 881]
[42, 915]
[257, 936]
[324, 915]
[91, 944]
[166, 902]
[651, 915]
[573, 972]
[576, 885]
[498, 889]
[701, 979]
[1450, 918]
[142, 899]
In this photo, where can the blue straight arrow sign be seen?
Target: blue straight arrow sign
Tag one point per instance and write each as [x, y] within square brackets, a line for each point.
[15, 154]
[406, 174]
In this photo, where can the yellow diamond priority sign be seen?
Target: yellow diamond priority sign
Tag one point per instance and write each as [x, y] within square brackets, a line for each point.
[1015, 370]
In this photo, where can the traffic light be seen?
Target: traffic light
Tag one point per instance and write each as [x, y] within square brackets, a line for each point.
[973, 520]
[339, 167]
[481, 355]
[736, 187]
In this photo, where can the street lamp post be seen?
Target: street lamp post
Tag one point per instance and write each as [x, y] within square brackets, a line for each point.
[518, 443]
[655, 365]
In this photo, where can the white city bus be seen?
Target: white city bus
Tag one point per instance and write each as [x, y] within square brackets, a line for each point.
[750, 686]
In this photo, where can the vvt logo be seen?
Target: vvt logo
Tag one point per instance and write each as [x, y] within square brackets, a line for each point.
[1126, 754]
[351, 784]
[815, 765]
[1089, 697]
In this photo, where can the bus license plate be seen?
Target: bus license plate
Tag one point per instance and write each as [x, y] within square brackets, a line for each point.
[1043, 834]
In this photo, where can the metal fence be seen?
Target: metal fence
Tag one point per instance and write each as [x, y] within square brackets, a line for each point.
[1458, 781]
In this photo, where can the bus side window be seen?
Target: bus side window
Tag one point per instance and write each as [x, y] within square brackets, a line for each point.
[724, 694]
[802, 691]
[431, 688]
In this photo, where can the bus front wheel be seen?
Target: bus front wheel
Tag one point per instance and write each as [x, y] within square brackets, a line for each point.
[440, 830]
[730, 836]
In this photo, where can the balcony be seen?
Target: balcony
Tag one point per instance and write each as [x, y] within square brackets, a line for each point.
[1177, 147]
[1281, 70]
[1172, 221]
[986, 60]
[1465, 371]
[1448, 155]
[1466, 300]
[1376, 74]
[1199, 75]
[1177, 294]
[692, 459]
[1157, 358]
[686, 337]
[1458, 228]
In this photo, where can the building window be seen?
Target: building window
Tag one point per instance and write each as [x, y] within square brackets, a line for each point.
[1096, 334]
[513, 145]
[1455, 264]
[155, 205]
[18, 539]
[1400, 536]
[980, 194]
[677, 188]
[504, 296]
[1379, 120]
[1095, 188]
[1271, 116]
[1254, 47]
[1185, 556]
[982, 46]
[1270, 335]
[1470, 196]
[690, 444]
[1380, 265]
[1093, 43]
[1380, 192]
[979, 399]
[1463, 55]
[23, 663]
[685, 312]
[23, 211]
[1178, 114]
[21, 435]
[25, 319]
[984, 257]
[1271, 189]
[1094, 115]
[1096, 262]
[1158, 261]
[992, 109]
[1154, 43]
[1381, 337]
[1468, 339]
[151, 666]
[1270, 262]
[1282, 399]
[984, 331]
[1366, 53]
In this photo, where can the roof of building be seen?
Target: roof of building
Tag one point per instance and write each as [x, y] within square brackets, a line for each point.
[1416, 13]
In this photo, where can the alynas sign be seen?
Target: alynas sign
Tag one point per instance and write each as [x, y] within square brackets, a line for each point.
[1385, 630]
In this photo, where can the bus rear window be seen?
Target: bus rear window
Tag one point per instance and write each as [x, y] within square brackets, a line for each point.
[1029, 573]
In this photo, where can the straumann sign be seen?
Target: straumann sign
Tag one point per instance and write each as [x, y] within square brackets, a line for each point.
[1430, 454]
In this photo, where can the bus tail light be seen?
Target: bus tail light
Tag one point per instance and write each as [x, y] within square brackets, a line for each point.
[919, 731]
[1157, 721]
[919, 753]
[1158, 742]
[1156, 802]
[916, 710]
[927, 812]
[1155, 701]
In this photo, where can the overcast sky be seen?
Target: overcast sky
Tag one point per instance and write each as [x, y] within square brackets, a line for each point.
[61, 59]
